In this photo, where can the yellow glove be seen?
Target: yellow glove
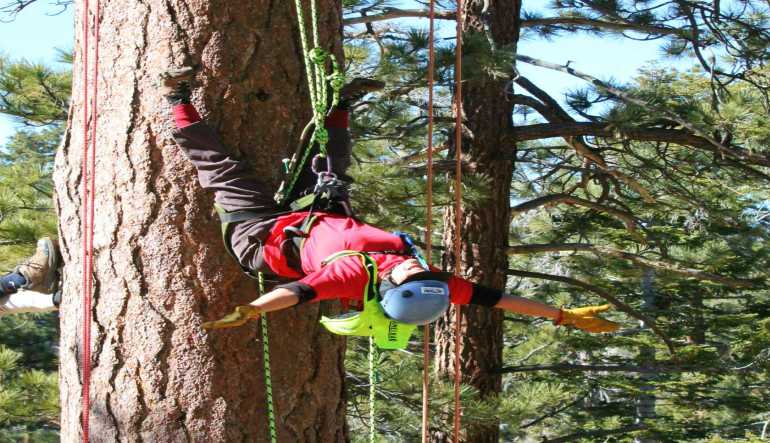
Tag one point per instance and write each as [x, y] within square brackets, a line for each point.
[238, 317]
[586, 319]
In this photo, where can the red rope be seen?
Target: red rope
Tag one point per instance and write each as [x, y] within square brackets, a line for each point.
[428, 224]
[89, 186]
[458, 206]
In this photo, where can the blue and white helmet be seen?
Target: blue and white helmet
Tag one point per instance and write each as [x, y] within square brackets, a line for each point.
[420, 299]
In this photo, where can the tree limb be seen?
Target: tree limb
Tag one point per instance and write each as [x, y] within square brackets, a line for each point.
[553, 112]
[654, 369]
[628, 219]
[396, 13]
[557, 411]
[661, 265]
[606, 130]
[603, 294]
[594, 433]
[628, 98]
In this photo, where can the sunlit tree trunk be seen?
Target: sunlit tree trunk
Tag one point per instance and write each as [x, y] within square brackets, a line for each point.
[160, 268]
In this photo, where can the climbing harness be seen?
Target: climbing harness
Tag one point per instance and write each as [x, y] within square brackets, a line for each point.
[89, 185]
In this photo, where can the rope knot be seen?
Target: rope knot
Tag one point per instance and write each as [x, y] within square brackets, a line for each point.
[336, 80]
[317, 56]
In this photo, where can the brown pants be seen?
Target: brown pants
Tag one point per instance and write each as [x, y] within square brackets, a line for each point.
[236, 187]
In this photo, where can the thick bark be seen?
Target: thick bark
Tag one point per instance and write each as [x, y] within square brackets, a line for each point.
[160, 268]
[484, 238]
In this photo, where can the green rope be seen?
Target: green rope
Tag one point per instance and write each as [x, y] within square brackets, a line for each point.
[372, 385]
[266, 361]
[316, 61]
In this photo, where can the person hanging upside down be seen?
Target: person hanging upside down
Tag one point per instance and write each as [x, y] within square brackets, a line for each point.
[322, 250]
[31, 287]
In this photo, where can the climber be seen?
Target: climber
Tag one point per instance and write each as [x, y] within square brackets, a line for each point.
[322, 250]
[31, 287]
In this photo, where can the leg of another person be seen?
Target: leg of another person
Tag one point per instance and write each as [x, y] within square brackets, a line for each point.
[27, 301]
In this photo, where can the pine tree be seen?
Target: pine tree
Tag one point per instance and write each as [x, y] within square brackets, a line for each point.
[666, 172]
[37, 98]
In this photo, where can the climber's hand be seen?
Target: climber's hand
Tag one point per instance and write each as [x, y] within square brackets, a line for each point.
[586, 319]
[238, 317]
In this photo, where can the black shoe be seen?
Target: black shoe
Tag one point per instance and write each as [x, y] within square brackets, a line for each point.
[356, 89]
[175, 85]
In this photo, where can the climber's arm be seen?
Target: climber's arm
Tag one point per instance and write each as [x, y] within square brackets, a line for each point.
[275, 300]
[464, 292]
[344, 278]
[526, 306]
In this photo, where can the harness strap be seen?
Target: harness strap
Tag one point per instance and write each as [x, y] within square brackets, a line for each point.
[238, 216]
[303, 202]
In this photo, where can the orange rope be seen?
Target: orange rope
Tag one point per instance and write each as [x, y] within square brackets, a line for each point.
[88, 197]
[428, 224]
[458, 205]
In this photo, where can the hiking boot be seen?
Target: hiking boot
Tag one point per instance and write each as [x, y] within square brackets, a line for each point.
[175, 85]
[42, 269]
[356, 89]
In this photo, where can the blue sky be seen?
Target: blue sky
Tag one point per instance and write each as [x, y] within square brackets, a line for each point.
[35, 35]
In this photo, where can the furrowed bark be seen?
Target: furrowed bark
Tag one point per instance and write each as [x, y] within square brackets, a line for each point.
[160, 268]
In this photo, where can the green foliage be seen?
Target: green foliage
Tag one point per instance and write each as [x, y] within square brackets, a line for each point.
[38, 97]
[34, 93]
[29, 400]
[703, 213]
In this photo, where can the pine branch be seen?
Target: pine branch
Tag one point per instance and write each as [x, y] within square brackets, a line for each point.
[716, 145]
[557, 411]
[661, 265]
[440, 166]
[628, 219]
[12, 8]
[396, 13]
[584, 23]
[553, 112]
[603, 294]
[607, 130]
[652, 369]
[590, 24]
[595, 433]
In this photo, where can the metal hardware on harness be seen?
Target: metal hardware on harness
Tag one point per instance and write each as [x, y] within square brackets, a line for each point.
[330, 190]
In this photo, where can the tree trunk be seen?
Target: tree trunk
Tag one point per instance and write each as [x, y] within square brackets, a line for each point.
[488, 116]
[160, 268]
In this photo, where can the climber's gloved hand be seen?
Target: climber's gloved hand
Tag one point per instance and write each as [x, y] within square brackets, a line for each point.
[585, 318]
[238, 317]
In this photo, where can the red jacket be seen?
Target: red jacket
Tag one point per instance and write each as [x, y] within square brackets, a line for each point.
[344, 278]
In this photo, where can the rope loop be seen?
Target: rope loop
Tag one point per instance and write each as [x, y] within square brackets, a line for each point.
[318, 56]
